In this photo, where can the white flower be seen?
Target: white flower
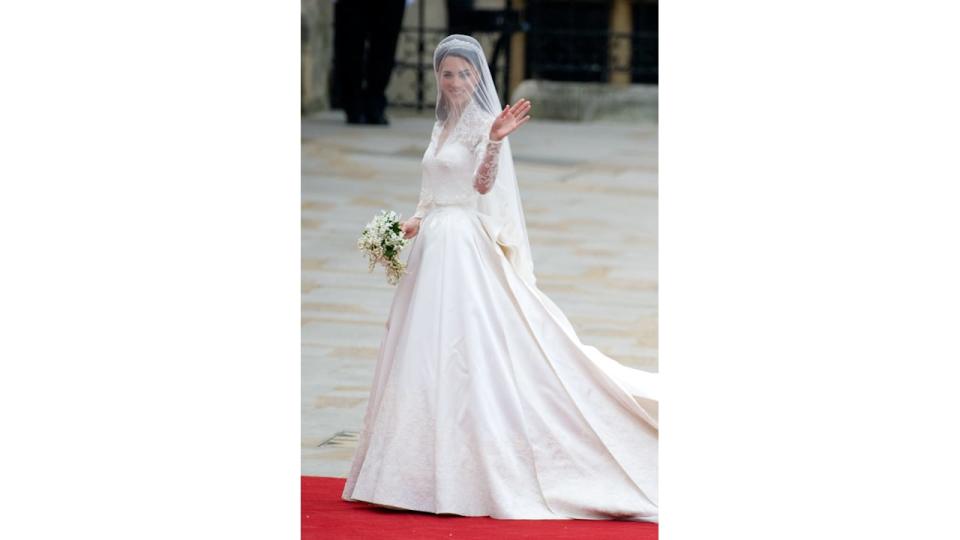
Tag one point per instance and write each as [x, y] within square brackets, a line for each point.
[382, 241]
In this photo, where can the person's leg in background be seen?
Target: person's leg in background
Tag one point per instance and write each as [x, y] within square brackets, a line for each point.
[458, 16]
[350, 20]
[386, 18]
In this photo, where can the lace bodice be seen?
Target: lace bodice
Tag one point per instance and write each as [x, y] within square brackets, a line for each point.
[459, 169]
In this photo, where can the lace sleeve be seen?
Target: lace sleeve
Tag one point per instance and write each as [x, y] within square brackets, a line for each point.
[425, 203]
[488, 162]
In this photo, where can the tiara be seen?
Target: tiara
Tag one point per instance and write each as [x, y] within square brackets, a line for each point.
[458, 41]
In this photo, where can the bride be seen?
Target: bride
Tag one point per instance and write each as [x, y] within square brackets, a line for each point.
[484, 401]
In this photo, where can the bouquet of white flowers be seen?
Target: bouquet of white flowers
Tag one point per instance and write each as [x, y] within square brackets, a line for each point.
[381, 241]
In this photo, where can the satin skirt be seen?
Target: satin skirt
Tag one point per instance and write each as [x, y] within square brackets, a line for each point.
[485, 403]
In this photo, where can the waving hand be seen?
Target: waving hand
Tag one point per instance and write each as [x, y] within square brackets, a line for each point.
[510, 119]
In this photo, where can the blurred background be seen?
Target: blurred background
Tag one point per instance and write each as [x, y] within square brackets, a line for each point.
[578, 59]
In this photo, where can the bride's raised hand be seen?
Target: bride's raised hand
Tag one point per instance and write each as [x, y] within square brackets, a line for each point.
[510, 119]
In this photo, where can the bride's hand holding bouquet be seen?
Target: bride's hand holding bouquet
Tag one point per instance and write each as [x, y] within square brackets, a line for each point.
[410, 227]
[382, 240]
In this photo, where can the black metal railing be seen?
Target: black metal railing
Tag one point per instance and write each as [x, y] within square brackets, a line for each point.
[572, 40]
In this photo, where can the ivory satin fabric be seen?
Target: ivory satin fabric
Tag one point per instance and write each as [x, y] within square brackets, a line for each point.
[484, 401]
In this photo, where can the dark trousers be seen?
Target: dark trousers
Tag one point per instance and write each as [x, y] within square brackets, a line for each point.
[356, 23]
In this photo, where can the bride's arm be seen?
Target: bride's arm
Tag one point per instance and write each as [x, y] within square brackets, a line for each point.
[504, 124]
[424, 204]
[489, 163]
[411, 226]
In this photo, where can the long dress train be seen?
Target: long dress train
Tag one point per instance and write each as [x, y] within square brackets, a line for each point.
[484, 401]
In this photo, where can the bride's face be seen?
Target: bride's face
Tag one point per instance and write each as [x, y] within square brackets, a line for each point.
[458, 79]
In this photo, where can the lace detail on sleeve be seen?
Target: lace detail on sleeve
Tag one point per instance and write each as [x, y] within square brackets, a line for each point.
[425, 203]
[488, 162]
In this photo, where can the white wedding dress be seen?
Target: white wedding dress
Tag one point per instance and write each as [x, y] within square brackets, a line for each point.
[484, 401]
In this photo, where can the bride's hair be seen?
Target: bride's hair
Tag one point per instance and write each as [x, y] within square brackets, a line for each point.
[471, 55]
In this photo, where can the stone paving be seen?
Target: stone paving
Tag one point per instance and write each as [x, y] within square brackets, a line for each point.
[590, 194]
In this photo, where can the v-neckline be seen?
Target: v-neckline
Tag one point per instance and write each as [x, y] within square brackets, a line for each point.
[440, 144]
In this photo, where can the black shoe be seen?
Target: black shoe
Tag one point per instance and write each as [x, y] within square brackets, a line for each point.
[356, 118]
[378, 120]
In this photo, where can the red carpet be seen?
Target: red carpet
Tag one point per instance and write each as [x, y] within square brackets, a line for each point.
[323, 514]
